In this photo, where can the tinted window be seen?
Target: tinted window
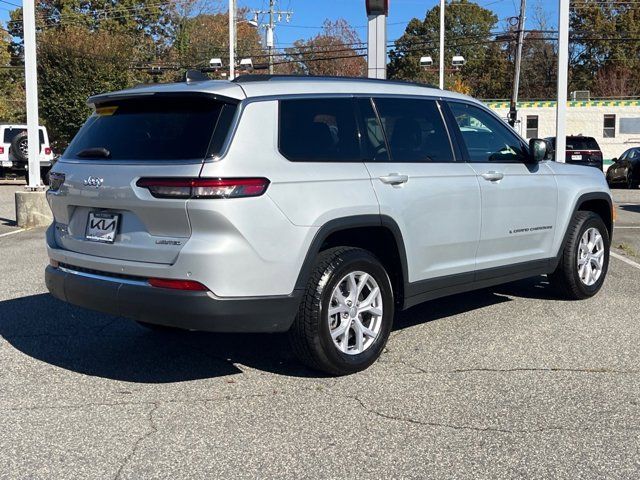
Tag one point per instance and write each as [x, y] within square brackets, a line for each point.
[415, 130]
[319, 129]
[582, 143]
[487, 138]
[158, 128]
[373, 140]
[10, 133]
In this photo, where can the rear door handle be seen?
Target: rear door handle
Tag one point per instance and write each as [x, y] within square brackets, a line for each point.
[493, 176]
[394, 179]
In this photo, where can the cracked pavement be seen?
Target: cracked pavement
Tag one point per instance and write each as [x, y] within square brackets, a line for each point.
[508, 382]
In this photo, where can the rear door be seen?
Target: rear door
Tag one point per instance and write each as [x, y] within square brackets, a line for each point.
[434, 199]
[519, 200]
[123, 141]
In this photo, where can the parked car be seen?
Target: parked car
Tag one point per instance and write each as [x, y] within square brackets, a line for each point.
[625, 170]
[313, 206]
[580, 151]
[14, 155]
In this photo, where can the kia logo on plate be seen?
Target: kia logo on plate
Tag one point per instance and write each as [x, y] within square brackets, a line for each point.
[93, 182]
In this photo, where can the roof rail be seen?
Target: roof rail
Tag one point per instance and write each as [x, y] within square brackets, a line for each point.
[248, 78]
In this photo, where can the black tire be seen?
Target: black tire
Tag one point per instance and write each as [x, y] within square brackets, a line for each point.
[310, 334]
[15, 147]
[566, 278]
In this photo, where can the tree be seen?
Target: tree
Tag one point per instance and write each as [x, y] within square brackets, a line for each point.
[614, 81]
[73, 65]
[606, 36]
[468, 33]
[337, 50]
[12, 99]
[539, 67]
[204, 36]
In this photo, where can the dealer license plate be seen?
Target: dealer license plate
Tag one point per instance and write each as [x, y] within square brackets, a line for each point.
[102, 227]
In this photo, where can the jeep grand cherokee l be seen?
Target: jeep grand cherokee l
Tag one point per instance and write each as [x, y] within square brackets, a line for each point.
[313, 206]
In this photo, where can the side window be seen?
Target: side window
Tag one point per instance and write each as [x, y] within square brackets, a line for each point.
[319, 130]
[373, 141]
[487, 139]
[414, 130]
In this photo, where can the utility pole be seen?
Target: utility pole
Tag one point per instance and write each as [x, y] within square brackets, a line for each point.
[232, 39]
[441, 44]
[513, 109]
[273, 12]
[270, 36]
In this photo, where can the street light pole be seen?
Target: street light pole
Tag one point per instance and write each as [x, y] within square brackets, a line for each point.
[232, 39]
[563, 74]
[442, 44]
[31, 86]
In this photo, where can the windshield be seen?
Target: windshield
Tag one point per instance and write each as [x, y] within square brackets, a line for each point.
[154, 128]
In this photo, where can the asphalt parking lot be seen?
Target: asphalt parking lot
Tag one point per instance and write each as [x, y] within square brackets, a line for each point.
[508, 382]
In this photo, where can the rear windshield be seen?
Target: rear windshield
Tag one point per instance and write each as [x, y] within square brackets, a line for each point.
[155, 128]
[10, 133]
[582, 143]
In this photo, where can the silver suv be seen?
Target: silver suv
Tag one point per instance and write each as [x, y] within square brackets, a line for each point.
[313, 206]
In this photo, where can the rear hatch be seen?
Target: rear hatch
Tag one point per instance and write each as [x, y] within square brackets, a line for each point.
[98, 207]
[584, 151]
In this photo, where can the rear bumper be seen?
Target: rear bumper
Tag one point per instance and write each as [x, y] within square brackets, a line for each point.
[174, 308]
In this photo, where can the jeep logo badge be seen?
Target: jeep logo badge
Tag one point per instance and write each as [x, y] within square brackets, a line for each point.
[93, 182]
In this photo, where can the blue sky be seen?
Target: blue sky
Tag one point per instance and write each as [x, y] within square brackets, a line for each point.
[309, 14]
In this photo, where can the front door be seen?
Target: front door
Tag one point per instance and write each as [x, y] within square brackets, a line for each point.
[519, 199]
[434, 199]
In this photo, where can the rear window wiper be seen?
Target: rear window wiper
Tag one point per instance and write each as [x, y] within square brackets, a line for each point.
[94, 152]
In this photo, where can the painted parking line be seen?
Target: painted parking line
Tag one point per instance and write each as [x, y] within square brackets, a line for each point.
[13, 232]
[625, 260]
[628, 227]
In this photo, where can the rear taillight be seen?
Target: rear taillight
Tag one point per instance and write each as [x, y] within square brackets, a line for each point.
[204, 187]
[177, 284]
[47, 151]
[1, 150]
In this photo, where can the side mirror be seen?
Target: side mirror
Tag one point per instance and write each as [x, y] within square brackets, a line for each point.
[614, 160]
[537, 149]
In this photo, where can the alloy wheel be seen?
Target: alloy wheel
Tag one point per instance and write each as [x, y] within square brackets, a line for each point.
[355, 313]
[590, 256]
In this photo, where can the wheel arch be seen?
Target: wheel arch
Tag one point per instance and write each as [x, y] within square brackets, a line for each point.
[379, 234]
[599, 203]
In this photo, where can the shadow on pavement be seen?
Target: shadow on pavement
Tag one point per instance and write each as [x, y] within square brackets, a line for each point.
[7, 222]
[630, 208]
[110, 347]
